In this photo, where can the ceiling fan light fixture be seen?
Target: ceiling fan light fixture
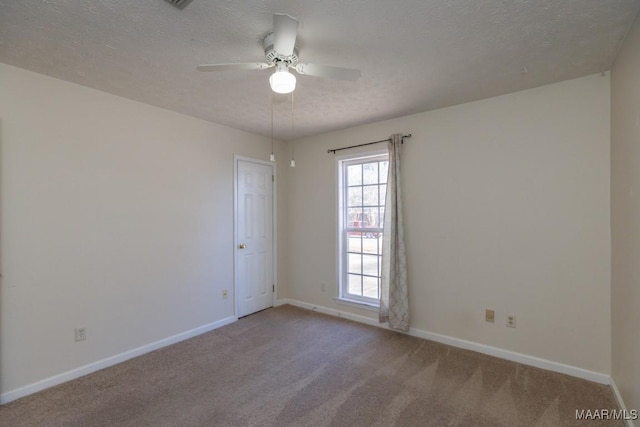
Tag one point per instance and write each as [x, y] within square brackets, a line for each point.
[282, 81]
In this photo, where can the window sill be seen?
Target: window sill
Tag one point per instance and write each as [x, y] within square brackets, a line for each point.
[356, 304]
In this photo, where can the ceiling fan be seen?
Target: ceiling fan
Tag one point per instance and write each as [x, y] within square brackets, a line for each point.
[280, 52]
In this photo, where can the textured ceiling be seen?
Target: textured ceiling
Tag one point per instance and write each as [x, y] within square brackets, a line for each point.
[415, 55]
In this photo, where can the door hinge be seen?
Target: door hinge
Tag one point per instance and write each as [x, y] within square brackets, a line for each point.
[273, 178]
[273, 288]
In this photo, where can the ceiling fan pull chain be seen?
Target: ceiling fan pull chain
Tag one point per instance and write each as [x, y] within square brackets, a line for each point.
[293, 159]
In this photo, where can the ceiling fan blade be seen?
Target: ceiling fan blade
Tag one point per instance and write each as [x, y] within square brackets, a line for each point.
[237, 66]
[285, 31]
[337, 73]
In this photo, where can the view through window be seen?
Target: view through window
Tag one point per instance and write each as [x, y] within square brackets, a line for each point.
[363, 189]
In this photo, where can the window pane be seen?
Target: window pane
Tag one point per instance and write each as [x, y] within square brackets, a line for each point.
[381, 217]
[370, 173]
[370, 265]
[355, 242]
[354, 196]
[354, 219]
[354, 175]
[370, 195]
[373, 217]
[370, 245]
[370, 287]
[384, 169]
[383, 194]
[355, 263]
[355, 285]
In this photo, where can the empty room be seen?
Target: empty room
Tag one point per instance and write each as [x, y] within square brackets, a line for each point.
[279, 213]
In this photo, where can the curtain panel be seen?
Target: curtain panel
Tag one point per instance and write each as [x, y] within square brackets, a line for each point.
[394, 290]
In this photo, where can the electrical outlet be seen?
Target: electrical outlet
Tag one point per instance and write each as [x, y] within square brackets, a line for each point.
[81, 334]
[489, 315]
[511, 320]
[225, 294]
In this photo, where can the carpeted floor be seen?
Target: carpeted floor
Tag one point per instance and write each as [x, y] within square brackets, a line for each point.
[292, 367]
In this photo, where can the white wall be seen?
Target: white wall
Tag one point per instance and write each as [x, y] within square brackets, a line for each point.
[507, 207]
[116, 216]
[625, 216]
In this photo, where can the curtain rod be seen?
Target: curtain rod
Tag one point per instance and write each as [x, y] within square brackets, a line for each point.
[333, 150]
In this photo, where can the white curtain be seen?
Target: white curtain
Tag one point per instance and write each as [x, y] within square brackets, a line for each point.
[394, 292]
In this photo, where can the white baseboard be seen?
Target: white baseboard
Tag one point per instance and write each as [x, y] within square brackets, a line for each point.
[110, 361]
[618, 396]
[467, 345]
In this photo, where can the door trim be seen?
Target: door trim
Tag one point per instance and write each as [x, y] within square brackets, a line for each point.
[274, 228]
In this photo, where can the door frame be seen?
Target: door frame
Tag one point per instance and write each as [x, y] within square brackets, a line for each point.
[274, 228]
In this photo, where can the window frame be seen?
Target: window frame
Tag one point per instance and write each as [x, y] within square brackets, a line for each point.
[342, 162]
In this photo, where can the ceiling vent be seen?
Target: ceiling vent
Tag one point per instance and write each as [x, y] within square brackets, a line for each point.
[180, 4]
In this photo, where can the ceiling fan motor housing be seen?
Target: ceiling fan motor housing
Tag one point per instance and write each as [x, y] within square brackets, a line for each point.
[273, 57]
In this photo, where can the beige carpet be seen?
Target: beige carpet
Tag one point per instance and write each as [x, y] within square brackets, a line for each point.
[292, 367]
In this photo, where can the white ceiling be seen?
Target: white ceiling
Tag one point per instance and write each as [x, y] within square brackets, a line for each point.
[415, 55]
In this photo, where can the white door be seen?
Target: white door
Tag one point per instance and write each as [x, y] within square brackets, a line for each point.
[254, 236]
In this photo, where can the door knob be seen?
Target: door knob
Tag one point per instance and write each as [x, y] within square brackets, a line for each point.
[242, 246]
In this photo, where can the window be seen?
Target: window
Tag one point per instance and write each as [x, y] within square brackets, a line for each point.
[362, 189]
